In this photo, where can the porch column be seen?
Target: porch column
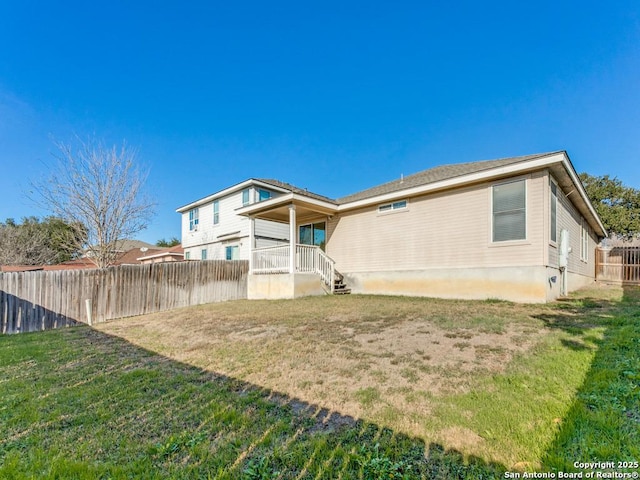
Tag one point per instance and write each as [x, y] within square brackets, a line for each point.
[292, 238]
[252, 236]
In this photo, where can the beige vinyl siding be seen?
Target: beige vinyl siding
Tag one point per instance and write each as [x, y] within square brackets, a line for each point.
[447, 229]
[571, 220]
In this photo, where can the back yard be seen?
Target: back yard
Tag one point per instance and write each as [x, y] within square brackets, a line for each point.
[328, 387]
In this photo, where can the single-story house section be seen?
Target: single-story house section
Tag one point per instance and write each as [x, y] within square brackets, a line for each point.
[519, 229]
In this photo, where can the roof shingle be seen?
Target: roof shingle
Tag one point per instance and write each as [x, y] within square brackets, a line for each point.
[437, 174]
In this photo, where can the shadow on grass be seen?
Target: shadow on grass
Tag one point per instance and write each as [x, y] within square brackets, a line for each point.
[78, 403]
[603, 423]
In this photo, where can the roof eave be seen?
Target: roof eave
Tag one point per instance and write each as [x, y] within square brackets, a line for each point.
[289, 198]
[229, 191]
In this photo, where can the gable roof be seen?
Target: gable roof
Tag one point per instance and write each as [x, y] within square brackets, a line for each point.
[294, 189]
[437, 174]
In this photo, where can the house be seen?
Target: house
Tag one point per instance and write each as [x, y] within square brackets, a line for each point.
[160, 255]
[519, 229]
[211, 228]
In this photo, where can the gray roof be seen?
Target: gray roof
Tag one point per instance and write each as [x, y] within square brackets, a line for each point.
[294, 189]
[437, 174]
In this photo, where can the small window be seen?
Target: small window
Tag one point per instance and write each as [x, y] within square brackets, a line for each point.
[509, 211]
[388, 207]
[193, 219]
[264, 195]
[216, 212]
[232, 252]
[554, 212]
[204, 254]
[187, 255]
[245, 197]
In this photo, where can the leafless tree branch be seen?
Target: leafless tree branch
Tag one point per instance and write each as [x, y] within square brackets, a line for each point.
[98, 189]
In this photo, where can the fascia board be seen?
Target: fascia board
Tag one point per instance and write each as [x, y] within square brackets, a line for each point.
[228, 191]
[457, 181]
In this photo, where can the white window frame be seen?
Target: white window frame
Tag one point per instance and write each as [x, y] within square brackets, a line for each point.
[216, 212]
[187, 255]
[194, 219]
[229, 248]
[526, 213]
[553, 203]
[246, 197]
[203, 254]
[262, 190]
[398, 205]
[584, 242]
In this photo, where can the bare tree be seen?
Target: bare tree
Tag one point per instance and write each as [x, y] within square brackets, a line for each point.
[99, 190]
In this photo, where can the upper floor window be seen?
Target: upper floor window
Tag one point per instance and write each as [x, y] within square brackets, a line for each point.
[203, 254]
[554, 211]
[245, 197]
[509, 211]
[263, 195]
[216, 212]
[193, 219]
[388, 207]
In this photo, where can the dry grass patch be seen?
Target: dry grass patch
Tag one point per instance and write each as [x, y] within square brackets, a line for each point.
[391, 360]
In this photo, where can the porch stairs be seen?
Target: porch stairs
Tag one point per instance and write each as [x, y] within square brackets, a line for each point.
[339, 287]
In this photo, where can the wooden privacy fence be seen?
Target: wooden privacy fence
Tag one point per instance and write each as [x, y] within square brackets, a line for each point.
[618, 264]
[42, 300]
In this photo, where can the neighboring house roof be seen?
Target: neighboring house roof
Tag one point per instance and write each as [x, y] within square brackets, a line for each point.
[20, 268]
[432, 175]
[128, 244]
[176, 251]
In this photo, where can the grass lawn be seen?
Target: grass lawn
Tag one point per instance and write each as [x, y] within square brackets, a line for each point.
[327, 387]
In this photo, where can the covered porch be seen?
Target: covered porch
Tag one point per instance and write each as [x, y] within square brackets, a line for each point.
[300, 267]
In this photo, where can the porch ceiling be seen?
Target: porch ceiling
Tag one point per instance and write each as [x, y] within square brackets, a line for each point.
[277, 209]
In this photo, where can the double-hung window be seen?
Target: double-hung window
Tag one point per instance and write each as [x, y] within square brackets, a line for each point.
[216, 212]
[193, 219]
[509, 211]
[584, 242]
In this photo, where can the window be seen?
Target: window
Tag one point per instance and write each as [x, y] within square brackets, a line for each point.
[509, 211]
[584, 243]
[388, 207]
[193, 219]
[245, 197]
[232, 252]
[203, 253]
[313, 234]
[216, 212]
[554, 211]
[187, 255]
[264, 195]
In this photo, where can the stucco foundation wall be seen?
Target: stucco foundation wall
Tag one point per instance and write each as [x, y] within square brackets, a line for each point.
[578, 281]
[286, 285]
[516, 284]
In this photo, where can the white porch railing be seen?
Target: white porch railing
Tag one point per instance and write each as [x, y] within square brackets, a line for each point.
[270, 260]
[309, 259]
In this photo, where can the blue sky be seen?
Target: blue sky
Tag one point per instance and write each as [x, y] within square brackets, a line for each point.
[332, 96]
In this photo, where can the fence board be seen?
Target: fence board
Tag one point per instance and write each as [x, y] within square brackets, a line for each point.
[618, 265]
[42, 300]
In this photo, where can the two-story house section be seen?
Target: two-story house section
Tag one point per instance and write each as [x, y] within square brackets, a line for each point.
[212, 230]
